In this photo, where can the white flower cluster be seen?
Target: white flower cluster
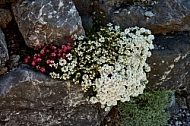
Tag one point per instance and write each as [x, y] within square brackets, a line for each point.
[65, 68]
[112, 62]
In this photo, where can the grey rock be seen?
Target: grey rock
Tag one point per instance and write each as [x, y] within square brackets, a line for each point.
[85, 8]
[167, 15]
[3, 70]
[149, 14]
[3, 2]
[5, 17]
[32, 98]
[13, 61]
[170, 63]
[47, 21]
[4, 54]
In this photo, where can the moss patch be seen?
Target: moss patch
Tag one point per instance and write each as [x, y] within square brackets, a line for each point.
[149, 109]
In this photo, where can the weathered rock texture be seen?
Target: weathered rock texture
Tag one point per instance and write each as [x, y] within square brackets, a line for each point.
[47, 21]
[162, 17]
[31, 98]
[170, 63]
[3, 2]
[4, 55]
[5, 17]
[85, 9]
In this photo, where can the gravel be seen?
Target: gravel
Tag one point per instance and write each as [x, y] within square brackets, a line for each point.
[181, 118]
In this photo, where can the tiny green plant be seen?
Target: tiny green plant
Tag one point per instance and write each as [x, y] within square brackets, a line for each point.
[148, 109]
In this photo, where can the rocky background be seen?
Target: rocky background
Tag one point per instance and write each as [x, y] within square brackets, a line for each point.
[29, 97]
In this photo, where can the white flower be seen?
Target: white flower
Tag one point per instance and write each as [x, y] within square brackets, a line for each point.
[65, 69]
[85, 77]
[126, 31]
[69, 56]
[80, 37]
[107, 109]
[64, 77]
[54, 75]
[54, 65]
[147, 68]
[62, 62]
[142, 30]
[101, 39]
[117, 28]
[93, 100]
[109, 24]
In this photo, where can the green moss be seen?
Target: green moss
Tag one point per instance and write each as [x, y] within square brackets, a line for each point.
[147, 109]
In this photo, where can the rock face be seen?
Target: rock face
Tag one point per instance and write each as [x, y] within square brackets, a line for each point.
[47, 21]
[3, 2]
[85, 8]
[5, 17]
[161, 17]
[4, 55]
[170, 63]
[32, 98]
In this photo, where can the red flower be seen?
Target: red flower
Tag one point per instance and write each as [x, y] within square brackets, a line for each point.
[39, 55]
[63, 56]
[59, 55]
[54, 47]
[26, 60]
[47, 54]
[59, 51]
[68, 47]
[69, 44]
[53, 54]
[48, 61]
[33, 63]
[41, 44]
[64, 48]
[42, 69]
[69, 39]
[47, 50]
[42, 51]
[38, 59]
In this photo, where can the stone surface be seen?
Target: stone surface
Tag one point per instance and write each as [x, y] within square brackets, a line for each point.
[47, 21]
[3, 2]
[4, 55]
[32, 98]
[5, 17]
[85, 8]
[161, 17]
[170, 63]
[13, 61]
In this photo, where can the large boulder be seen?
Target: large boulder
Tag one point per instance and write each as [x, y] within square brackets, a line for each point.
[170, 64]
[160, 17]
[47, 21]
[4, 54]
[32, 98]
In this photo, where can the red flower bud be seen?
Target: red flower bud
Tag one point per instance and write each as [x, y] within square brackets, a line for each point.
[33, 63]
[48, 61]
[53, 54]
[42, 69]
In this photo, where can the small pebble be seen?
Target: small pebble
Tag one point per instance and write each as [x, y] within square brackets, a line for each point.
[149, 14]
